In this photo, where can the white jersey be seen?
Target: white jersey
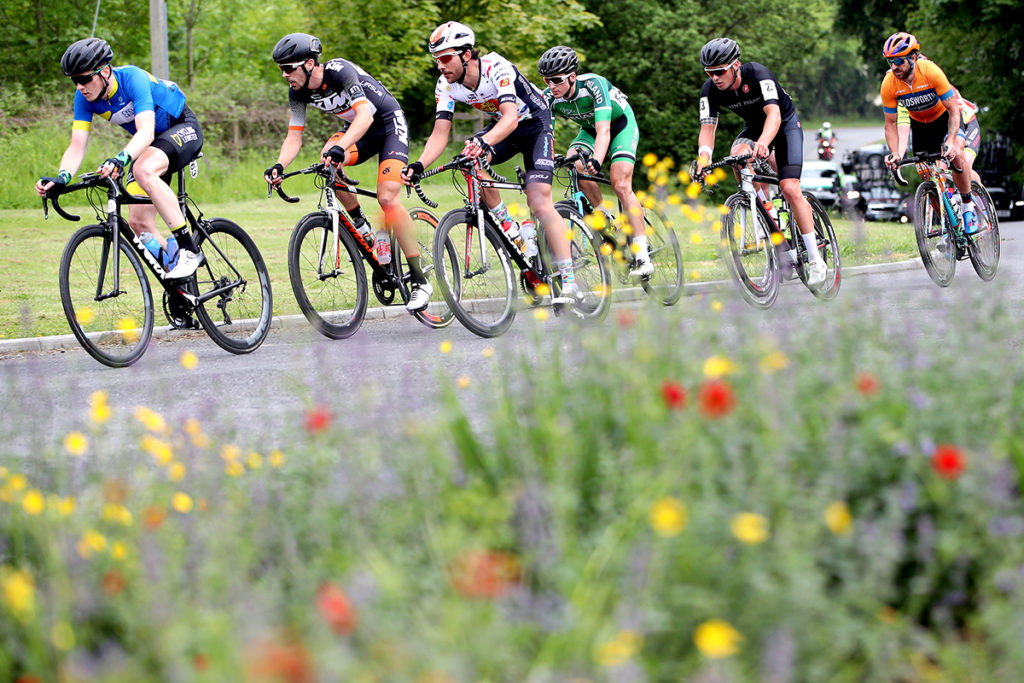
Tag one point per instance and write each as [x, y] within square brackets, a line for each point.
[500, 82]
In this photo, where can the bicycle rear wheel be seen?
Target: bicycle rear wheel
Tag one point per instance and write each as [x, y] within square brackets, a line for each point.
[114, 325]
[331, 292]
[935, 240]
[238, 317]
[590, 269]
[437, 314]
[479, 288]
[828, 247]
[983, 246]
[665, 284]
[752, 258]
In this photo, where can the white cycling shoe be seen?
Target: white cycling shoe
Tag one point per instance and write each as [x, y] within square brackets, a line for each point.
[419, 297]
[816, 271]
[187, 264]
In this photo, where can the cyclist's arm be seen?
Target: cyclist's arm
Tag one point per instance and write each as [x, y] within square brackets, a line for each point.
[75, 152]
[892, 135]
[145, 131]
[603, 139]
[772, 121]
[290, 147]
[508, 122]
[355, 131]
[436, 143]
[706, 143]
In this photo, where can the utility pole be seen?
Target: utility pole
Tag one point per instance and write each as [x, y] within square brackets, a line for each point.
[158, 38]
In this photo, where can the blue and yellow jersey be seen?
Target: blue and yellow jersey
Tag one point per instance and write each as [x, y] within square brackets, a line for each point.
[923, 99]
[134, 91]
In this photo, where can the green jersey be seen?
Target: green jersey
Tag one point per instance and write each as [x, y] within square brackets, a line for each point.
[595, 100]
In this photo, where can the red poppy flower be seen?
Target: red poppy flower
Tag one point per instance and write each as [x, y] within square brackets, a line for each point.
[674, 394]
[867, 384]
[317, 420]
[288, 662]
[949, 461]
[153, 516]
[113, 582]
[716, 398]
[625, 317]
[336, 609]
[486, 574]
[200, 661]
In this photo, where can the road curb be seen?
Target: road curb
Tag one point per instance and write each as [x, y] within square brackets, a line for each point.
[63, 341]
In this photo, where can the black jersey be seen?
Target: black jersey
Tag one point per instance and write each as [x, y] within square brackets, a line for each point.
[759, 87]
[345, 87]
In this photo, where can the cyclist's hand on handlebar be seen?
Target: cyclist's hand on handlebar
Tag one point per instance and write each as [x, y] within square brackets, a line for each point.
[114, 166]
[890, 161]
[697, 169]
[334, 155]
[44, 184]
[273, 174]
[477, 146]
[593, 166]
[411, 173]
[761, 150]
[948, 151]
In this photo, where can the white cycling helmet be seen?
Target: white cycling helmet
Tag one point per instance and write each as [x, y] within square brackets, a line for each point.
[451, 34]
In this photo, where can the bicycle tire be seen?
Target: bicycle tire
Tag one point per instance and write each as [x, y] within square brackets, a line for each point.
[335, 306]
[665, 284]
[755, 268]
[107, 329]
[935, 240]
[484, 304]
[828, 247]
[983, 246]
[437, 314]
[589, 267]
[238, 319]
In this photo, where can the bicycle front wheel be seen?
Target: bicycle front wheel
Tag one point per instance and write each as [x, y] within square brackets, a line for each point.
[590, 268]
[475, 277]
[665, 284]
[935, 240]
[329, 288]
[752, 257]
[238, 314]
[983, 246]
[110, 312]
[828, 247]
[437, 314]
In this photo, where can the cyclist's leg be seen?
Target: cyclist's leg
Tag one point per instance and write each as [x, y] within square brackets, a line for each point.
[744, 144]
[503, 151]
[393, 155]
[622, 153]
[789, 151]
[536, 145]
[354, 157]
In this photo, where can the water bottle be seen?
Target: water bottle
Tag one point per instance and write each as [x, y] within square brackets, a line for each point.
[366, 232]
[783, 219]
[171, 252]
[770, 207]
[151, 244]
[530, 238]
[382, 245]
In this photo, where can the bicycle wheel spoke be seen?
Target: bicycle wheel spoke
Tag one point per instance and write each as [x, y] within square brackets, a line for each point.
[333, 300]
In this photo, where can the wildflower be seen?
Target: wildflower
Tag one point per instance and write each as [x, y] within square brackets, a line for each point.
[230, 452]
[65, 506]
[317, 420]
[118, 551]
[85, 315]
[541, 314]
[336, 609]
[650, 159]
[696, 238]
[176, 471]
[716, 306]
[462, 382]
[99, 413]
[838, 518]
[254, 460]
[718, 366]
[158, 448]
[234, 469]
[674, 394]
[62, 636]
[773, 362]
[716, 398]
[625, 317]
[92, 542]
[200, 662]
[181, 502]
[33, 502]
[287, 662]
[18, 591]
[867, 384]
[619, 649]
[153, 516]
[717, 639]
[189, 360]
[485, 574]
[948, 461]
[128, 328]
[750, 528]
[446, 346]
[75, 443]
[668, 516]
[152, 420]
[487, 352]
[276, 459]
[113, 582]
[119, 514]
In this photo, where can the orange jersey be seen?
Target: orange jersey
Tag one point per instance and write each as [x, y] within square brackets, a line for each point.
[923, 100]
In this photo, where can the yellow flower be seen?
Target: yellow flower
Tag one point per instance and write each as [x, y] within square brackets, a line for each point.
[18, 590]
[92, 542]
[695, 275]
[115, 512]
[84, 316]
[276, 459]
[118, 551]
[774, 361]
[668, 516]
[234, 468]
[488, 352]
[17, 482]
[33, 502]
[716, 306]
[192, 427]
[65, 506]
[62, 636]
[750, 528]
[696, 238]
[776, 238]
[254, 461]
[128, 328]
[717, 639]
[153, 421]
[838, 518]
[542, 289]
[230, 452]
[718, 366]
[181, 502]
[176, 471]
[99, 411]
[161, 450]
[618, 650]
[446, 346]
[462, 382]
[189, 360]
[675, 200]
[650, 159]
[541, 314]
[75, 443]
[514, 209]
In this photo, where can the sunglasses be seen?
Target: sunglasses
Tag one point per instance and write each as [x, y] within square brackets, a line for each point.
[717, 72]
[556, 80]
[288, 68]
[86, 79]
[446, 59]
[897, 61]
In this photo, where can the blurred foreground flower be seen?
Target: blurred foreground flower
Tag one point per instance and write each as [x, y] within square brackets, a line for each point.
[485, 574]
[153, 421]
[750, 528]
[668, 516]
[317, 420]
[285, 662]
[336, 609]
[18, 591]
[718, 366]
[948, 461]
[717, 639]
[33, 502]
[99, 411]
[181, 502]
[619, 649]
[189, 360]
[838, 518]
[716, 398]
[75, 443]
[867, 384]
[674, 394]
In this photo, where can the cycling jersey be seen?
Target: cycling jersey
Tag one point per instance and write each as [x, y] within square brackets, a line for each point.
[924, 98]
[595, 99]
[500, 82]
[758, 88]
[134, 90]
[345, 88]
[968, 111]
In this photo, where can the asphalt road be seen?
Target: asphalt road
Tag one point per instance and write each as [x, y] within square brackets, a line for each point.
[390, 368]
[846, 138]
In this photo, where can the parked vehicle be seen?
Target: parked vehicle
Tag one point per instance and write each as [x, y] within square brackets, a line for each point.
[821, 178]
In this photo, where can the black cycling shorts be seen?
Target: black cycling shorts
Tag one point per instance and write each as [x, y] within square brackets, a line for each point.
[181, 142]
[928, 137]
[534, 139]
[788, 146]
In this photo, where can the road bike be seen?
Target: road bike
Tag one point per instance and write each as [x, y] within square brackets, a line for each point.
[106, 295]
[478, 281]
[939, 226]
[761, 254]
[328, 257]
[665, 284]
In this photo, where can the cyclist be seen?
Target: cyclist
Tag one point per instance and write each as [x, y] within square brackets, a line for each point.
[165, 137]
[608, 131]
[521, 123]
[374, 126]
[826, 134]
[934, 109]
[772, 129]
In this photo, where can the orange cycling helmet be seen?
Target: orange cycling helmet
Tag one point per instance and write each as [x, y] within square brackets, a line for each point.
[900, 45]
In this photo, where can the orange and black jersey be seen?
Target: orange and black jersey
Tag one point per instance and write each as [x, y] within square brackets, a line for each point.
[345, 88]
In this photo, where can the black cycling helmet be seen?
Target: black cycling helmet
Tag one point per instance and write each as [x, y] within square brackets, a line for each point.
[719, 51]
[297, 47]
[558, 60]
[86, 56]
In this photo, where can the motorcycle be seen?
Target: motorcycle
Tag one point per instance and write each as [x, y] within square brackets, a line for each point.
[825, 150]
